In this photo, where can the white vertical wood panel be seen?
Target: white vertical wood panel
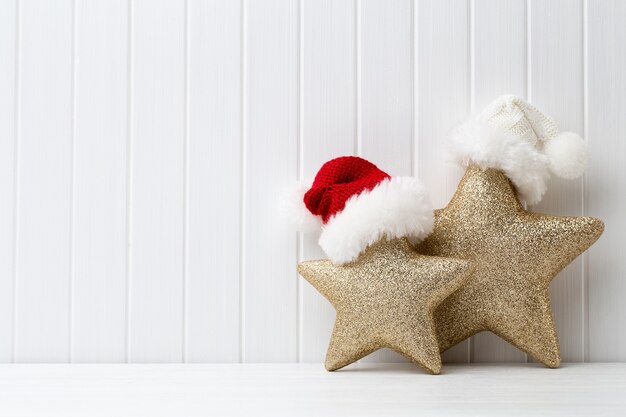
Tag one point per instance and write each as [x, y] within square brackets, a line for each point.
[442, 100]
[328, 114]
[214, 178]
[44, 188]
[386, 94]
[606, 178]
[271, 151]
[8, 43]
[499, 67]
[386, 80]
[157, 172]
[100, 209]
[556, 87]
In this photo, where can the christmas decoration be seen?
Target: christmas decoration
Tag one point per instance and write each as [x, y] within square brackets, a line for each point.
[384, 292]
[516, 138]
[510, 148]
[355, 204]
[386, 298]
[387, 292]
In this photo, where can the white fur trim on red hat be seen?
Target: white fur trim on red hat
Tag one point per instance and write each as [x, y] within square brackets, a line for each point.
[396, 207]
[516, 138]
[291, 204]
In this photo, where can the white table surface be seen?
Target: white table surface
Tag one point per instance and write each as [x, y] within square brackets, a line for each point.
[308, 390]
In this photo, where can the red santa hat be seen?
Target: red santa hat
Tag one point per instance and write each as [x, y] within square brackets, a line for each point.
[355, 204]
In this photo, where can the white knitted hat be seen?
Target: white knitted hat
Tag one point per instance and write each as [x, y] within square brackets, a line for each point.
[515, 137]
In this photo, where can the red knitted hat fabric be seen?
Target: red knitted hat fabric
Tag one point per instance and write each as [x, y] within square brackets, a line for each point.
[337, 181]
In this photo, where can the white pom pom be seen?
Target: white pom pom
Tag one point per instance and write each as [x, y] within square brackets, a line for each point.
[293, 209]
[567, 153]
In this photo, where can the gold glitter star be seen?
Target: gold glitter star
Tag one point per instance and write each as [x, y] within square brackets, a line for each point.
[516, 255]
[386, 298]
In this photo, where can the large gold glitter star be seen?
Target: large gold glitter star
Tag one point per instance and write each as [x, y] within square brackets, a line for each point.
[516, 255]
[386, 298]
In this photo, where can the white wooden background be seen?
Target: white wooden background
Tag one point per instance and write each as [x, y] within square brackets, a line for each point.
[143, 144]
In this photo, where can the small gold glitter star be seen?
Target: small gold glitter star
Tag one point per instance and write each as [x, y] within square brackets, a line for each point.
[516, 255]
[386, 298]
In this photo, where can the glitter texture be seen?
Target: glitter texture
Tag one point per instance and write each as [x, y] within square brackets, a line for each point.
[516, 254]
[386, 298]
